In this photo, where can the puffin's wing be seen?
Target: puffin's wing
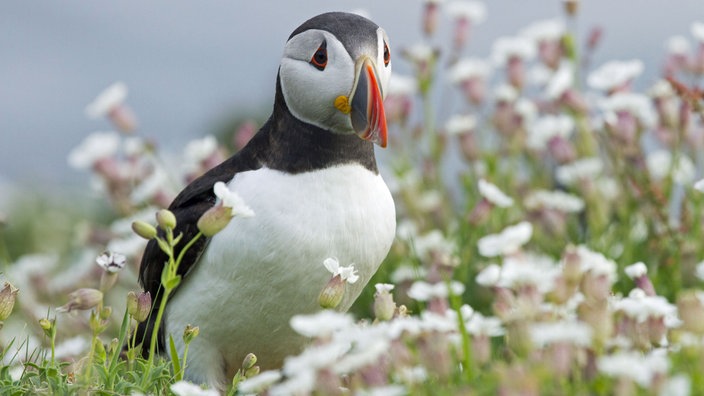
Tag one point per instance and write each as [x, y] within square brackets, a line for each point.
[188, 207]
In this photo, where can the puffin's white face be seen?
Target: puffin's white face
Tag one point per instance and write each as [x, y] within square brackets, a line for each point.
[324, 85]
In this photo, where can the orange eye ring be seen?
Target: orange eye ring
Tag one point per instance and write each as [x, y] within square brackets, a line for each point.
[387, 55]
[320, 58]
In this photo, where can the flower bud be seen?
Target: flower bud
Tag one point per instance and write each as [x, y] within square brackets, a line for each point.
[139, 305]
[249, 361]
[251, 372]
[105, 313]
[166, 219]
[214, 220]
[8, 295]
[190, 333]
[384, 305]
[82, 299]
[331, 295]
[48, 326]
[143, 229]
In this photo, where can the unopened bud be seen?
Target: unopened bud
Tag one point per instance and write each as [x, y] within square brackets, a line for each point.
[190, 333]
[331, 295]
[105, 313]
[251, 372]
[47, 326]
[384, 305]
[571, 7]
[114, 345]
[143, 229]
[214, 220]
[139, 305]
[82, 299]
[166, 219]
[249, 361]
[8, 295]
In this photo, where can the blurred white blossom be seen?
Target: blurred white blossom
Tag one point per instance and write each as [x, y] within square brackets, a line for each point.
[493, 194]
[94, 147]
[507, 241]
[614, 74]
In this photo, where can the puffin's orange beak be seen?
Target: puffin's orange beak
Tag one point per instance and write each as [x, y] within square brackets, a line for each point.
[367, 105]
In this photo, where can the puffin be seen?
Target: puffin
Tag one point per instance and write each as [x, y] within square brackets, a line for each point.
[311, 178]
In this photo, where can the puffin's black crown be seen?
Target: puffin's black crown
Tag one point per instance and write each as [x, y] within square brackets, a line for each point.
[350, 29]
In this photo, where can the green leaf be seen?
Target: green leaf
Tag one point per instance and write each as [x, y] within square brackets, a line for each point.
[178, 374]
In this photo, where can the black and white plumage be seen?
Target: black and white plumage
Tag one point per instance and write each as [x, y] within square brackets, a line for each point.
[316, 192]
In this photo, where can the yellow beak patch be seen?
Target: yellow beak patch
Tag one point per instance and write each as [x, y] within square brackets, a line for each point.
[342, 103]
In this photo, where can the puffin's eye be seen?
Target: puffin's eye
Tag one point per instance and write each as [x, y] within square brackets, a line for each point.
[320, 57]
[387, 55]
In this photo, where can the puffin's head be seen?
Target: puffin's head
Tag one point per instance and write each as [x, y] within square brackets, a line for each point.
[334, 73]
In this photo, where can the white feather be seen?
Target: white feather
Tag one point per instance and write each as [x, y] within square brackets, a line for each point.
[260, 271]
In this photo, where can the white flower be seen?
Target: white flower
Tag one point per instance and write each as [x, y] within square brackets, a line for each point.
[494, 195]
[505, 48]
[411, 375]
[630, 364]
[596, 262]
[315, 357]
[346, 273]
[489, 276]
[660, 164]
[197, 151]
[556, 200]
[111, 262]
[661, 89]
[157, 181]
[468, 68]
[571, 332]
[94, 147]
[460, 124]
[582, 169]
[111, 97]
[699, 185]
[676, 385]
[259, 382]
[560, 81]
[548, 127]
[678, 45]
[300, 383]
[507, 241]
[402, 85]
[505, 93]
[433, 242]
[527, 110]
[373, 349]
[700, 270]
[614, 74]
[697, 30]
[407, 273]
[639, 105]
[636, 270]
[419, 53]
[320, 324]
[480, 325]
[640, 306]
[546, 30]
[473, 11]
[185, 388]
[424, 291]
[383, 287]
[386, 390]
[232, 200]
[538, 271]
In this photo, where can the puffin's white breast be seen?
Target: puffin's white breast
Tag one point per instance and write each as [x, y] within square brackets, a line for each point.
[259, 271]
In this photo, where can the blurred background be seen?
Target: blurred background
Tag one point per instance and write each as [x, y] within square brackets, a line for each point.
[192, 67]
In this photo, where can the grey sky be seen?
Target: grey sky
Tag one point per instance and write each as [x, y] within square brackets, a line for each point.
[190, 64]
